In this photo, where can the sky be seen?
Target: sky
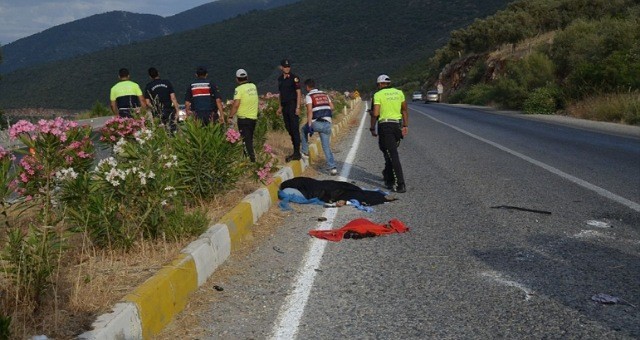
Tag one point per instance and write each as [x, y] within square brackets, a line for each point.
[21, 18]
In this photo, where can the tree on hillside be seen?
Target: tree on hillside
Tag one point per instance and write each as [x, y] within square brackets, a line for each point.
[3, 121]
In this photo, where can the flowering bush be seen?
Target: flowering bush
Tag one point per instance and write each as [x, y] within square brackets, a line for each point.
[268, 107]
[129, 195]
[53, 145]
[118, 127]
[265, 164]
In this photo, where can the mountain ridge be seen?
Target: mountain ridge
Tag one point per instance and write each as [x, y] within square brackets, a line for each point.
[99, 31]
[339, 48]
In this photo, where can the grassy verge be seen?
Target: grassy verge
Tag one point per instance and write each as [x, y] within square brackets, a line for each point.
[618, 108]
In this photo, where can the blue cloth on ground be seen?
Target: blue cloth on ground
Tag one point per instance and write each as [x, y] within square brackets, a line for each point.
[359, 206]
[293, 195]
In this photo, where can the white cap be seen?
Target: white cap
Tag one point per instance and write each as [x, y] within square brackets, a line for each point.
[241, 73]
[383, 78]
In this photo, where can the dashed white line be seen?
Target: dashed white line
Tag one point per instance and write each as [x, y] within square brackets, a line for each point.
[289, 317]
[603, 192]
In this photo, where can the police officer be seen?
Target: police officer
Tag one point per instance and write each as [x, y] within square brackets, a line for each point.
[203, 99]
[126, 96]
[160, 96]
[245, 105]
[390, 112]
[290, 101]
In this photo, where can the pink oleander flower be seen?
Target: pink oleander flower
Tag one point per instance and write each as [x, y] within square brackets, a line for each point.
[268, 149]
[232, 135]
[19, 128]
[3, 152]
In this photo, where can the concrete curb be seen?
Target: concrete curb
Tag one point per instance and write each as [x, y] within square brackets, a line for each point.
[150, 307]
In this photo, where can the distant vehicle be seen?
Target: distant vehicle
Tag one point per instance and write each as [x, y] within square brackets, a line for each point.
[432, 97]
[182, 113]
[416, 96]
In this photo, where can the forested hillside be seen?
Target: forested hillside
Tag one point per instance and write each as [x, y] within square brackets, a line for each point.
[118, 28]
[341, 43]
[545, 56]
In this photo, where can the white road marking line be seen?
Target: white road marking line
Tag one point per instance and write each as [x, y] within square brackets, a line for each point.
[591, 234]
[603, 192]
[498, 278]
[289, 317]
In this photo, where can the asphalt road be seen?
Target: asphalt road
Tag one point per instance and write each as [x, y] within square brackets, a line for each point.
[467, 269]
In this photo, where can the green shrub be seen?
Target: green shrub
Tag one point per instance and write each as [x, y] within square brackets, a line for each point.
[5, 327]
[209, 161]
[541, 101]
[479, 94]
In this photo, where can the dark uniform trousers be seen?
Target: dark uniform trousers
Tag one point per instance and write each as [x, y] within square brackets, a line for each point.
[247, 126]
[207, 117]
[292, 123]
[168, 119]
[389, 136]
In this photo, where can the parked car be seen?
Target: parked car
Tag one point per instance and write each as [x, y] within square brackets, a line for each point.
[182, 113]
[432, 97]
[416, 96]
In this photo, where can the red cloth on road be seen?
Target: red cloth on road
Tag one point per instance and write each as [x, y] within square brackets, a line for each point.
[360, 228]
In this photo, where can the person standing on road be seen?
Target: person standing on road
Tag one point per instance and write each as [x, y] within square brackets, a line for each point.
[126, 96]
[390, 112]
[289, 108]
[245, 105]
[440, 89]
[203, 99]
[319, 112]
[160, 96]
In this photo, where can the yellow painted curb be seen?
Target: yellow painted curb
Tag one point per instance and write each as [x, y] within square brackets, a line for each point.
[165, 294]
[273, 188]
[239, 221]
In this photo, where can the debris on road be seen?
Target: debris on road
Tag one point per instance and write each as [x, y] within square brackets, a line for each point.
[511, 207]
[599, 224]
[607, 299]
[278, 250]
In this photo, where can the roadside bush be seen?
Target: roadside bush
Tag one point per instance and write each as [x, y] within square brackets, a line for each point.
[127, 196]
[56, 149]
[541, 101]
[478, 94]
[268, 110]
[210, 158]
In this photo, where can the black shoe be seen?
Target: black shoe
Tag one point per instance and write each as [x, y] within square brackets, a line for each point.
[400, 188]
[388, 185]
[294, 157]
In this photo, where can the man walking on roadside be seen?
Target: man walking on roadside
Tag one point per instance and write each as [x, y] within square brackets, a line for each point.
[245, 105]
[290, 101]
[390, 112]
[203, 99]
[319, 113]
[126, 96]
[161, 97]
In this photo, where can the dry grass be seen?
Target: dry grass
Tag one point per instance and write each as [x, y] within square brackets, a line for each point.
[90, 280]
[619, 108]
